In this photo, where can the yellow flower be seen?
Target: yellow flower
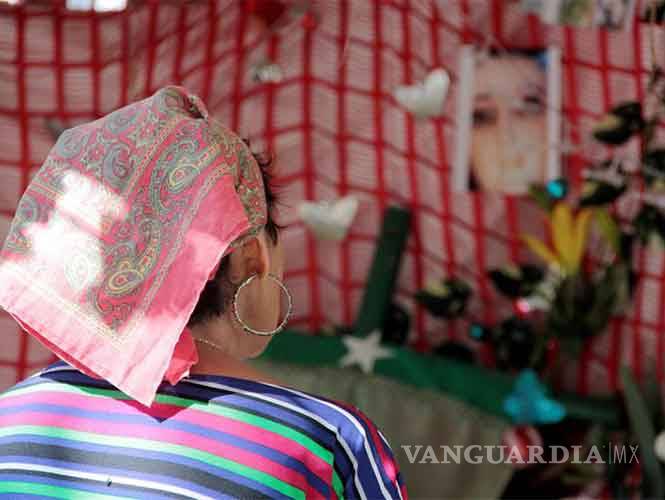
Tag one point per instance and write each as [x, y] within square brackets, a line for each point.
[569, 236]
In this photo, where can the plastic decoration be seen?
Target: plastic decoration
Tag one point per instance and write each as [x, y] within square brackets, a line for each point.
[557, 188]
[329, 220]
[364, 351]
[425, 99]
[569, 234]
[528, 403]
[479, 332]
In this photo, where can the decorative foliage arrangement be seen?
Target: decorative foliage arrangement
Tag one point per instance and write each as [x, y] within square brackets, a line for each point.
[586, 274]
[583, 279]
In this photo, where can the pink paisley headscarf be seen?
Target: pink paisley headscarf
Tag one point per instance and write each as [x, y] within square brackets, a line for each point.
[118, 232]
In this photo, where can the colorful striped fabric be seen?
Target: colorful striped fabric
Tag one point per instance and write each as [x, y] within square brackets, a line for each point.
[66, 435]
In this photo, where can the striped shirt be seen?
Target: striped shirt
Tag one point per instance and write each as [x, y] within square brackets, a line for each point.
[66, 435]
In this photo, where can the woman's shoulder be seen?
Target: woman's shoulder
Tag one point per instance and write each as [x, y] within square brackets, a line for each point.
[273, 392]
[358, 448]
[266, 398]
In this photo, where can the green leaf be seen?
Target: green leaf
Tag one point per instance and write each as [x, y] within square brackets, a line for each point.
[608, 228]
[542, 198]
[643, 428]
[619, 125]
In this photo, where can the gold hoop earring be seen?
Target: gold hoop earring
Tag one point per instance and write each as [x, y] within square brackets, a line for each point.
[248, 328]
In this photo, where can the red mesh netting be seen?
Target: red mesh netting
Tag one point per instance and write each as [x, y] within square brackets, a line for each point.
[335, 128]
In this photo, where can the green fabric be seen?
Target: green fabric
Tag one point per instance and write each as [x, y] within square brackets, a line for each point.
[410, 416]
[44, 490]
[474, 385]
[380, 284]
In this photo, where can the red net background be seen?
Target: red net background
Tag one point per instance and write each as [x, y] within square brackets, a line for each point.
[335, 128]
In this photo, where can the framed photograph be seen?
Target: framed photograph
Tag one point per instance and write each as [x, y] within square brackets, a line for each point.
[609, 14]
[508, 119]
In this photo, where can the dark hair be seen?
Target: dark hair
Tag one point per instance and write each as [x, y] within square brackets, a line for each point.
[218, 292]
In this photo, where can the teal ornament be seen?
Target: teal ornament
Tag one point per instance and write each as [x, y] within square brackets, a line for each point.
[478, 332]
[557, 188]
[528, 403]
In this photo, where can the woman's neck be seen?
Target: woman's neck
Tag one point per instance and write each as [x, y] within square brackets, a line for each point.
[214, 360]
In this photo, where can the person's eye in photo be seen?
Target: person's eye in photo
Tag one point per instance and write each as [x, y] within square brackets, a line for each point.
[485, 111]
[484, 116]
[532, 101]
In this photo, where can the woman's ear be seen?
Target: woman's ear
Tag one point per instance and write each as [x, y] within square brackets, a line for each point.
[251, 258]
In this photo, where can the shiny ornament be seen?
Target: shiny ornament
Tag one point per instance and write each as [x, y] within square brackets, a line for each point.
[529, 403]
[480, 332]
[557, 188]
[523, 307]
[425, 99]
[445, 299]
[517, 442]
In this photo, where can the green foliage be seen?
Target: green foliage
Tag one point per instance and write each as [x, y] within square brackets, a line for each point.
[642, 427]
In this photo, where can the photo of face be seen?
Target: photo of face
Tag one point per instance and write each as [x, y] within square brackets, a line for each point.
[613, 14]
[509, 132]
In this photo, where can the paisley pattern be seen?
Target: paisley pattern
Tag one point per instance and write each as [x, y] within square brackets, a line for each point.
[26, 214]
[127, 186]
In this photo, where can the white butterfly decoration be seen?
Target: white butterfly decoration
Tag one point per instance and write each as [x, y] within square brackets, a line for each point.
[425, 99]
[329, 220]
